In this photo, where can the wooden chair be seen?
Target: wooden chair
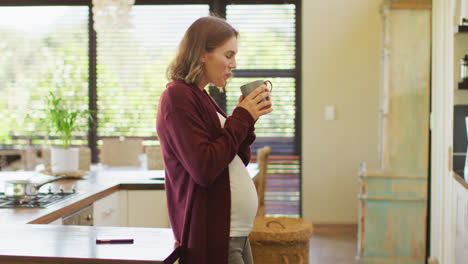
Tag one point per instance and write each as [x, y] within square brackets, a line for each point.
[85, 159]
[121, 151]
[45, 156]
[260, 179]
[155, 158]
[29, 157]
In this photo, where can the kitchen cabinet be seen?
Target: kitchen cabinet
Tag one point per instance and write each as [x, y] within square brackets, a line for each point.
[107, 211]
[147, 208]
[132, 208]
[56, 222]
[83, 216]
[393, 198]
[461, 220]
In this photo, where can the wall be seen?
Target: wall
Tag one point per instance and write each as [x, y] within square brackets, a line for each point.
[340, 66]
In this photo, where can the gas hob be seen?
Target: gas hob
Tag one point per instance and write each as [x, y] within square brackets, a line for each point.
[42, 200]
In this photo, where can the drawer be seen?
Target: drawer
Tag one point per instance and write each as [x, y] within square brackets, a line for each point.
[83, 216]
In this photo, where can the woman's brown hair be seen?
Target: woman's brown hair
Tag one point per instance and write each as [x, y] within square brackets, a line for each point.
[204, 35]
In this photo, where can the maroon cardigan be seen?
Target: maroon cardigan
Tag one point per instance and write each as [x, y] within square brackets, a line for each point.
[197, 152]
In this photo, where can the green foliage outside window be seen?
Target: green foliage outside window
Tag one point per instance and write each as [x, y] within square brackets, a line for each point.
[128, 94]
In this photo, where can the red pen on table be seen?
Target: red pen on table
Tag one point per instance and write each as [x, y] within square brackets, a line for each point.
[116, 240]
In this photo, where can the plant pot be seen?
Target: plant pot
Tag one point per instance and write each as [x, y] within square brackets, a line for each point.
[64, 160]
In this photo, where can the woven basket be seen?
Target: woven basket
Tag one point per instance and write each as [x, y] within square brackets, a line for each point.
[280, 240]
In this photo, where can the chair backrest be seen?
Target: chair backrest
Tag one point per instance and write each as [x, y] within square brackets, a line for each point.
[45, 156]
[85, 158]
[260, 179]
[155, 158]
[121, 151]
[29, 157]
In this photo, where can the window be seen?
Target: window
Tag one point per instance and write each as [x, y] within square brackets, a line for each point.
[267, 50]
[131, 67]
[43, 48]
[49, 47]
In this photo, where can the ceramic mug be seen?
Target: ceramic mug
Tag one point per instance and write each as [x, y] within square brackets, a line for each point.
[249, 87]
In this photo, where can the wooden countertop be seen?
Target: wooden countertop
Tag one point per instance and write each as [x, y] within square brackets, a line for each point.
[460, 180]
[77, 244]
[21, 243]
[94, 187]
[34, 243]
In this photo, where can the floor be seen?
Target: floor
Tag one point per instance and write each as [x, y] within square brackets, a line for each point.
[333, 249]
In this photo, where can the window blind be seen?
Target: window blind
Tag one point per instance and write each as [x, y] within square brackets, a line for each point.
[42, 49]
[267, 35]
[267, 46]
[279, 123]
[131, 67]
[266, 51]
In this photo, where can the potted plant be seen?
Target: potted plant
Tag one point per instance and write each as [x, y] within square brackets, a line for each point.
[63, 122]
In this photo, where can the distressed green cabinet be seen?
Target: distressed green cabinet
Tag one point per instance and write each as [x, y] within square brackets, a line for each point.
[393, 199]
[393, 215]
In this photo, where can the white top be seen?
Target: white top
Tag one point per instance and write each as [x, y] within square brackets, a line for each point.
[244, 200]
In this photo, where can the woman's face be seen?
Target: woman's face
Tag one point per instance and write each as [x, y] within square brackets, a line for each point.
[220, 62]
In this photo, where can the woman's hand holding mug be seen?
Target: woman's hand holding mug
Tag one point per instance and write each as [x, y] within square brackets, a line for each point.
[255, 98]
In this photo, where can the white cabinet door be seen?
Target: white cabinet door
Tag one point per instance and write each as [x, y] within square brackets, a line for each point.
[107, 210]
[147, 208]
[56, 222]
[461, 223]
